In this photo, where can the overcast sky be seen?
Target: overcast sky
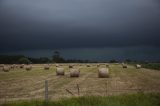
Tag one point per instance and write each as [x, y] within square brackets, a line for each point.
[119, 26]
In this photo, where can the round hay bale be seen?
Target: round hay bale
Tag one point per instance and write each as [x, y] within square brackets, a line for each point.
[21, 66]
[28, 67]
[88, 65]
[124, 65]
[107, 65]
[74, 72]
[103, 73]
[6, 68]
[12, 66]
[15, 66]
[1, 65]
[138, 66]
[70, 66]
[98, 65]
[46, 67]
[57, 65]
[60, 71]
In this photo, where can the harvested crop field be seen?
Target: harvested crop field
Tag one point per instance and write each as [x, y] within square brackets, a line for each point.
[19, 84]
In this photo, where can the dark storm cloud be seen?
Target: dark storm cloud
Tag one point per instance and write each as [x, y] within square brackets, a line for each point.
[51, 24]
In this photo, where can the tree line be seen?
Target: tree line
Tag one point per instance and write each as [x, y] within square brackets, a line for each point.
[56, 58]
[21, 59]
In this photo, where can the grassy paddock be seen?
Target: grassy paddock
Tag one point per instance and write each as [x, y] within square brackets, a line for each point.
[19, 84]
[155, 66]
[138, 99]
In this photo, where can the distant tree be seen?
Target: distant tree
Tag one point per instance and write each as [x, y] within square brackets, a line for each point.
[113, 61]
[57, 58]
[24, 60]
[44, 60]
[76, 61]
[128, 61]
[10, 59]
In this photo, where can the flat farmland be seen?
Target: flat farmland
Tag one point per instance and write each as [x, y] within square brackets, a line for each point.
[19, 84]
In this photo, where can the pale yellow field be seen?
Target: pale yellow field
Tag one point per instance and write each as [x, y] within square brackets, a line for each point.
[19, 84]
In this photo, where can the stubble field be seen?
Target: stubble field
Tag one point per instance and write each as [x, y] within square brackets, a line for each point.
[19, 84]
